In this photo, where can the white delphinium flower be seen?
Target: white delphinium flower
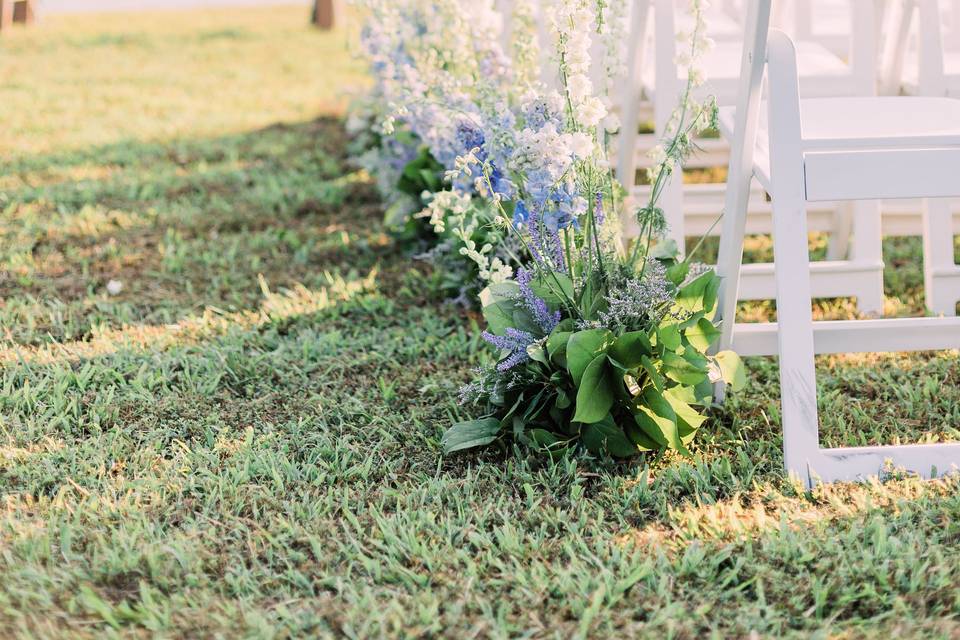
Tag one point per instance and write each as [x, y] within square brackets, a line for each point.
[524, 47]
[612, 34]
[443, 206]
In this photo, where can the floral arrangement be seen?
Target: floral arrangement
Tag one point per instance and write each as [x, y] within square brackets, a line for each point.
[601, 343]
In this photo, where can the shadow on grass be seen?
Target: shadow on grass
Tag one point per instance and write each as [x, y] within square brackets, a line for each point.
[183, 226]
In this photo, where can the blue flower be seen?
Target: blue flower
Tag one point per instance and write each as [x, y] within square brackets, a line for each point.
[521, 215]
[470, 135]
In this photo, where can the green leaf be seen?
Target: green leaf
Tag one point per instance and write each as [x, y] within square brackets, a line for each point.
[640, 439]
[595, 392]
[658, 419]
[732, 369]
[583, 347]
[537, 353]
[702, 335]
[554, 289]
[678, 273]
[398, 213]
[473, 433]
[680, 399]
[655, 376]
[630, 348]
[665, 250]
[502, 308]
[606, 436]
[557, 346]
[680, 369]
[669, 336]
[696, 294]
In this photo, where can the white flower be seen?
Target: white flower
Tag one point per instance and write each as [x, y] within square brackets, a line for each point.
[579, 87]
[592, 111]
[114, 287]
[582, 145]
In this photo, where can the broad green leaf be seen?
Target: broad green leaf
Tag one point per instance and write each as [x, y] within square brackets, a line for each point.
[396, 214]
[731, 366]
[502, 308]
[655, 376]
[595, 392]
[669, 336]
[630, 348]
[472, 433]
[583, 347]
[681, 370]
[702, 335]
[498, 301]
[696, 294]
[557, 346]
[665, 250]
[537, 353]
[658, 420]
[563, 400]
[678, 273]
[606, 436]
[679, 399]
[499, 291]
[554, 289]
[641, 439]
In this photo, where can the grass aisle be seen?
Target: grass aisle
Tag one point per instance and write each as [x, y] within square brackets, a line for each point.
[244, 440]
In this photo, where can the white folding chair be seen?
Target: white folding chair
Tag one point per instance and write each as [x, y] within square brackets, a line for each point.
[829, 149]
[930, 64]
[692, 209]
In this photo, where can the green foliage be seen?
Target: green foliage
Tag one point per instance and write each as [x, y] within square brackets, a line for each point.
[617, 394]
[423, 173]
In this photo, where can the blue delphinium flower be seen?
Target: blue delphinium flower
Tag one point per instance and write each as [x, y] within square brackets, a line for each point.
[520, 214]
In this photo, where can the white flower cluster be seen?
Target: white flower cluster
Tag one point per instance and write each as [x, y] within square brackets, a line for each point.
[572, 23]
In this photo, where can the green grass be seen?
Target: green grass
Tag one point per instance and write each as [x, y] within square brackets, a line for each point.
[245, 441]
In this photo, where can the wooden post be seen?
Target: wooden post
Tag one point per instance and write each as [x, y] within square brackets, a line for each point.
[6, 15]
[324, 14]
[24, 12]
[12, 11]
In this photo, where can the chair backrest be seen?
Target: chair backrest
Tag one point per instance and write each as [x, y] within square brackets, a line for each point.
[861, 29]
[857, 167]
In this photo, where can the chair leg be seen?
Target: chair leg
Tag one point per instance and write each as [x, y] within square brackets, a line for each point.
[868, 248]
[941, 275]
[791, 254]
[840, 230]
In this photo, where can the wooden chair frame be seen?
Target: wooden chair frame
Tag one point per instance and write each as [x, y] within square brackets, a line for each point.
[798, 175]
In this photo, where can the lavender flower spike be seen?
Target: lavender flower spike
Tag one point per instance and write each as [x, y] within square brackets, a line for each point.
[514, 341]
[542, 315]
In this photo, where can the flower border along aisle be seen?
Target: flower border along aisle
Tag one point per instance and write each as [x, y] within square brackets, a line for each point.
[600, 345]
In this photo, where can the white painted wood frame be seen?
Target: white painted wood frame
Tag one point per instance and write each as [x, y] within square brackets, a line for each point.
[798, 163]
[694, 209]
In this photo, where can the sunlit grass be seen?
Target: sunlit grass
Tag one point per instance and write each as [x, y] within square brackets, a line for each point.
[244, 440]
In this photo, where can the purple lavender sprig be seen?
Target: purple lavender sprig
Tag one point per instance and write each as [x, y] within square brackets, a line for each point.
[515, 341]
[542, 315]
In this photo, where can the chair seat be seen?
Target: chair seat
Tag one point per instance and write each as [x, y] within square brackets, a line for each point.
[862, 123]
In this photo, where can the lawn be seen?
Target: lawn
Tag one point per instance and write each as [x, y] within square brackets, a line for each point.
[244, 440]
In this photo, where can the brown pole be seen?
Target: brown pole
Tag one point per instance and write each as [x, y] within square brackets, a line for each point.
[23, 11]
[323, 14]
[6, 14]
